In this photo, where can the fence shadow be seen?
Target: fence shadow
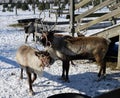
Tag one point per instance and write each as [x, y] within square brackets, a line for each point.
[8, 61]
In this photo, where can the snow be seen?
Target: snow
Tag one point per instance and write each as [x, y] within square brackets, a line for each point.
[82, 76]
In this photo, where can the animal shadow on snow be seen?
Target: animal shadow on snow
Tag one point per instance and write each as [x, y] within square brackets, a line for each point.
[8, 61]
[86, 82]
[83, 82]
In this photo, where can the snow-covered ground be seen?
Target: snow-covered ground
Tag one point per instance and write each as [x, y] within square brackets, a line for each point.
[82, 76]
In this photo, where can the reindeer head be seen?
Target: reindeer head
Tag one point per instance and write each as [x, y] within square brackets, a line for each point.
[45, 58]
[47, 38]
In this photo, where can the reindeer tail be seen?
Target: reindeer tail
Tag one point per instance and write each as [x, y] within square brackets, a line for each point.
[108, 41]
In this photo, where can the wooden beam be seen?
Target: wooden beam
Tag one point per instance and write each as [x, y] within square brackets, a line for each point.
[82, 3]
[90, 15]
[118, 62]
[100, 19]
[72, 19]
[117, 16]
[110, 32]
[103, 4]
[114, 6]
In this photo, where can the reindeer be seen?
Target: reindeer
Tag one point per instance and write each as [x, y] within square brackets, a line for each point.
[28, 30]
[66, 48]
[33, 61]
[34, 28]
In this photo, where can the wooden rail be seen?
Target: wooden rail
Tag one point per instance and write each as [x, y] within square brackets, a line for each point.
[103, 4]
[100, 19]
[113, 32]
[82, 3]
[88, 16]
[110, 32]
[28, 20]
[115, 6]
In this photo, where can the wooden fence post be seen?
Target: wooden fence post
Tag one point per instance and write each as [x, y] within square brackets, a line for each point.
[72, 17]
[118, 62]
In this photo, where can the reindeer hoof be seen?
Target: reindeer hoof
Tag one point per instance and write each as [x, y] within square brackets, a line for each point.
[67, 80]
[20, 78]
[31, 93]
[33, 40]
[64, 79]
[98, 79]
[103, 77]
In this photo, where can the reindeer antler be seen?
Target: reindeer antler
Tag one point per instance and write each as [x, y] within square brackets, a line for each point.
[42, 21]
[45, 28]
[55, 22]
[79, 33]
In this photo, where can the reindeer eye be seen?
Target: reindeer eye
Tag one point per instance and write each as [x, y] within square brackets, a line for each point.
[47, 54]
[42, 55]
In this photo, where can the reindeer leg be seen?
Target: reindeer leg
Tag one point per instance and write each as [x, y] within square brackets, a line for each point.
[29, 81]
[34, 36]
[102, 70]
[65, 69]
[34, 77]
[26, 38]
[99, 62]
[72, 63]
[21, 74]
[67, 65]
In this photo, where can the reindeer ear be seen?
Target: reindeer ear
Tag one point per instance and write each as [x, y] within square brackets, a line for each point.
[52, 33]
[26, 29]
[37, 54]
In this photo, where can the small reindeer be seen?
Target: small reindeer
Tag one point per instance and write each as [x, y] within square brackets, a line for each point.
[33, 61]
[34, 28]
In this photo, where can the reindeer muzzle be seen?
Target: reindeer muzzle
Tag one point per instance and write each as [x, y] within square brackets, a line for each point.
[46, 60]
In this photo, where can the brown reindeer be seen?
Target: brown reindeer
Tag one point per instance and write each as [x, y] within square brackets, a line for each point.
[33, 61]
[68, 48]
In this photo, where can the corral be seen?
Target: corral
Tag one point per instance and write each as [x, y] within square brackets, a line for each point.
[83, 75]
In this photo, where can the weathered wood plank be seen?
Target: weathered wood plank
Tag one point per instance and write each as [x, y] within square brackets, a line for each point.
[110, 32]
[100, 19]
[72, 18]
[88, 16]
[117, 16]
[82, 3]
[28, 20]
[114, 6]
[118, 63]
[103, 4]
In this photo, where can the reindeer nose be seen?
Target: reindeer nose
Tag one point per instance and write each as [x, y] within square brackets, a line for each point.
[47, 54]
[42, 55]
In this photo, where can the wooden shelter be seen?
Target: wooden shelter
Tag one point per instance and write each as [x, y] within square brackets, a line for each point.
[112, 32]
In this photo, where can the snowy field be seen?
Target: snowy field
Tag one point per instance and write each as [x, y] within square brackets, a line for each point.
[82, 76]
